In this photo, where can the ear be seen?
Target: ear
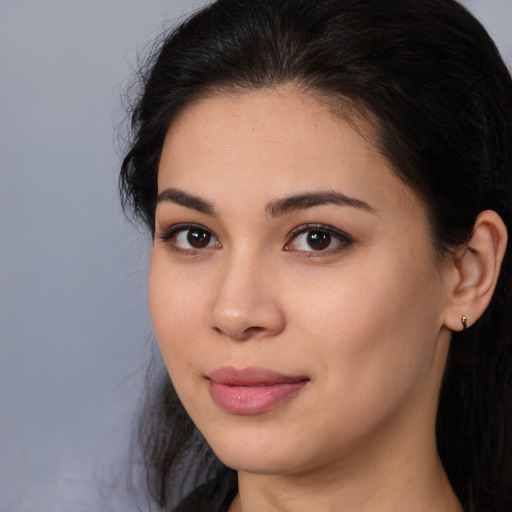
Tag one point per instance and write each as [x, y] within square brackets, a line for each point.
[475, 271]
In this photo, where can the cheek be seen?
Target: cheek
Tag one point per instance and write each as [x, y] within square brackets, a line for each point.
[176, 311]
[371, 353]
[374, 326]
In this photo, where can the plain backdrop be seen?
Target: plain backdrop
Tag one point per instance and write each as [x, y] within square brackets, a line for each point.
[74, 323]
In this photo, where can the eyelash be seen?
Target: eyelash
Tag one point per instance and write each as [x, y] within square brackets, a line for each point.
[344, 240]
[169, 234]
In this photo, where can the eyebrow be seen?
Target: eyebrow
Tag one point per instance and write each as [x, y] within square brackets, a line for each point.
[280, 207]
[275, 208]
[184, 199]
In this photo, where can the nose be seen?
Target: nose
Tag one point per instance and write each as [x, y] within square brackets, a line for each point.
[247, 301]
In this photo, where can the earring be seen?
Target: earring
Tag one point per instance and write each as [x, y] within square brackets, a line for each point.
[464, 320]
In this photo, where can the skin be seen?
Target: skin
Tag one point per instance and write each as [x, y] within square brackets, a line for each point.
[363, 320]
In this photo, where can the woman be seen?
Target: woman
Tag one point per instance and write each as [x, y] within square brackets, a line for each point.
[328, 186]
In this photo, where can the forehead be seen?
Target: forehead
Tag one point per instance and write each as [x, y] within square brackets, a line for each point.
[283, 138]
[272, 108]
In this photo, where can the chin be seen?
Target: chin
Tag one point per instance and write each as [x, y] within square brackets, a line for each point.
[256, 462]
[259, 452]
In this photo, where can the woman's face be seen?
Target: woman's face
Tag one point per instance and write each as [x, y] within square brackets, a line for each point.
[293, 287]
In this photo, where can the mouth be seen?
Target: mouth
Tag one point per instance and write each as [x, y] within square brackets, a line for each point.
[253, 390]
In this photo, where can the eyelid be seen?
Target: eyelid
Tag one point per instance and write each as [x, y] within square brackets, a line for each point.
[167, 234]
[344, 238]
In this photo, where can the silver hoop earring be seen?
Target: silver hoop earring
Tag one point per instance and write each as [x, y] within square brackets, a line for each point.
[464, 321]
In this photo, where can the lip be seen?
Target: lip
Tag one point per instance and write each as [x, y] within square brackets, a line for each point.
[252, 390]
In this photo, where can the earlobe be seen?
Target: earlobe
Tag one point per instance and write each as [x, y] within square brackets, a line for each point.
[477, 267]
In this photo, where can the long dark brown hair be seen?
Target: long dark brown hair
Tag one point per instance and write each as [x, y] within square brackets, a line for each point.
[432, 82]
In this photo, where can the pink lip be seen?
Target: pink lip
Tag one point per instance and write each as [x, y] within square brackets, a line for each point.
[251, 390]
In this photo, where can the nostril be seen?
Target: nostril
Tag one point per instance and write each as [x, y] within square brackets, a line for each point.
[249, 332]
[216, 330]
[255, 330]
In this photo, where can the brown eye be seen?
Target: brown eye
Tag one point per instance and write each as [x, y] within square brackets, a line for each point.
[189, 238]
[198, 238]
[318, 240]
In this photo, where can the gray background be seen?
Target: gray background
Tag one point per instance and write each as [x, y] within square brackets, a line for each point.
[74, 326]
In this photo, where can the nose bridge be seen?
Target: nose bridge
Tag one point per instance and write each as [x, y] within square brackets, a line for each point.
[247, 302]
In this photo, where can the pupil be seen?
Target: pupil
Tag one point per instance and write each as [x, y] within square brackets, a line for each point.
[198, 239]
[319, 240]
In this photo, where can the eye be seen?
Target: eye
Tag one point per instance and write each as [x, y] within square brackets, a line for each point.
[193, 238]
[188, 238]
[317, 238]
